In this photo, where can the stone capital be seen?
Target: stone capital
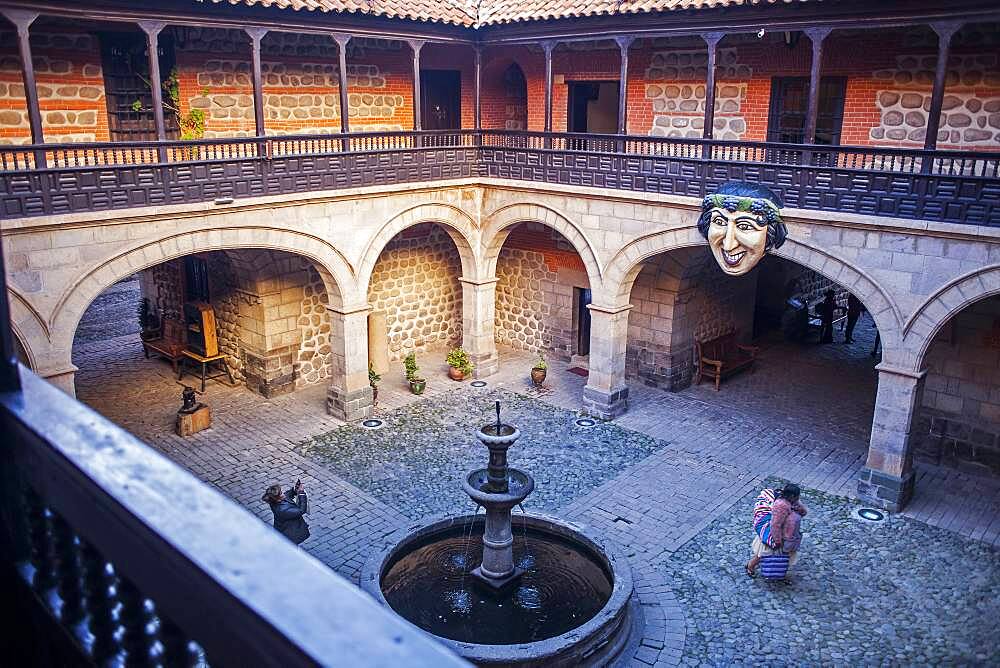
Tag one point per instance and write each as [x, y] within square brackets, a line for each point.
[349, 310]
[899, 371]
[610, 310]
[477, 281]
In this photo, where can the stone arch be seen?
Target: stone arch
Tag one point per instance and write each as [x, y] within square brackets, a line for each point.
[457, 223]
[498, 224]
[622, 270]
[928, 319]
[336, 272]
[30, 330]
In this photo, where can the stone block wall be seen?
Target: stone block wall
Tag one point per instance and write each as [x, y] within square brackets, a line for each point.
[679, 298]
[70, 88]
[415, 281]
[958, 423]
[537, 271]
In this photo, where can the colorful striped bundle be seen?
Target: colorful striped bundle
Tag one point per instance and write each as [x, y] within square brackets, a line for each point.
[762, 515]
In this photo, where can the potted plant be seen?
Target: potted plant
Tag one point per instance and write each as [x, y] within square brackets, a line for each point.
[538, 371]
[373, 379]
[149, 324]
[459, 365]
[417, 384]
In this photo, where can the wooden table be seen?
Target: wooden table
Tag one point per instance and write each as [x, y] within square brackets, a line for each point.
[205, 362]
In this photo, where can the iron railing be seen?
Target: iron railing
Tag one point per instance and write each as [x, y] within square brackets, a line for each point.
[947, 186]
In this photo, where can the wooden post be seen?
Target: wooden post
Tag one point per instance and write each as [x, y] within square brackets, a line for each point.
[152, 30]
[21, 20]
[548, 47]
[945, 31]
[345, 125]
[476, 88]
[712, 39]
[256, 35]
[816, 36]
[623, 45]
[416, 45]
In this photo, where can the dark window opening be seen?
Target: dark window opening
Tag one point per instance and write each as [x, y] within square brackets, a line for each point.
[440, 99]
[195, 280]
[790, 101]
[593, 107]
[127, 89]
[582, 296]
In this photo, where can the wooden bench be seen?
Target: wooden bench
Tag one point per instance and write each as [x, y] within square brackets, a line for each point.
[723, 356]
[168, 346]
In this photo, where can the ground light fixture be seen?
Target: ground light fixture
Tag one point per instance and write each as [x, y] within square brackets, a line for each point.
[586, 423]
[870, 514]
[373, 423]
[478, 383]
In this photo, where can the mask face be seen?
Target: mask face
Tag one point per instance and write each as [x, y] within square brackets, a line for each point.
[737, 239]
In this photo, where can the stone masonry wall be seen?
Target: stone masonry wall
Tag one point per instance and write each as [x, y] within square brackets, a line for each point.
[679, 298]
[537, 271]
[959, 422]
[415, 281]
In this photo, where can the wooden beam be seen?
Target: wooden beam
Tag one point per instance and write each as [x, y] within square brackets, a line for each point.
[152, 30]
[345, 110]
[476, 88]
[945, 31]
[548, 47]
[22, 20]
[623, 45]
[416, 45]
[816, 36]
[256, 35]
[712, 39]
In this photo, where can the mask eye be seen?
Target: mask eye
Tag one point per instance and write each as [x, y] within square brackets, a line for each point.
[744, 227]
[719, 220]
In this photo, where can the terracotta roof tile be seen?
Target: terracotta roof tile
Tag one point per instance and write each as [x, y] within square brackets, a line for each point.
[475, 13]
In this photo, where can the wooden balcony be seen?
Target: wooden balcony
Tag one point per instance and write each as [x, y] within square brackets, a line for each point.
[944, 186]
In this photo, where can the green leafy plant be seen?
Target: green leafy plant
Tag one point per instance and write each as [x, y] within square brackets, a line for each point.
[541, 363]
[192, 124]
[410, 364]
[373, 378]
[459, 359]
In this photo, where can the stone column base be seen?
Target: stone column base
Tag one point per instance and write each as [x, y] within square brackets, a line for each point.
[884, 490]
[350, 406]
[603, 405]
[484, 365]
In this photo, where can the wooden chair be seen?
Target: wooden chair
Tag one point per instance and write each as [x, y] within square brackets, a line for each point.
[722, 357]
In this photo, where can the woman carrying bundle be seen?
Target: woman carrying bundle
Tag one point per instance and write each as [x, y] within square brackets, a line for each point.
[777, 521]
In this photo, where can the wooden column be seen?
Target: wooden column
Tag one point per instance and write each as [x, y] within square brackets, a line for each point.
[623, 45]
[712, 39]
[416, 45]
[476, 88]
[21, 20]
[816, 36]
[548, 47]
[945, 31]
[342, 40]
[152, 30]
[256, 35]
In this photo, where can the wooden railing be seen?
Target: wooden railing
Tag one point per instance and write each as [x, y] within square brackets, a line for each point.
[949, 186]
[136, 562]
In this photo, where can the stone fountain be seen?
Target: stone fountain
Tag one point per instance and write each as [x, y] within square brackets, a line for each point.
[549, 594]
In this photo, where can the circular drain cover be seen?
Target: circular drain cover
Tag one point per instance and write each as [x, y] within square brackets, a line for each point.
[870, 514]
[586, 423]
[373, 423]
[478, 383]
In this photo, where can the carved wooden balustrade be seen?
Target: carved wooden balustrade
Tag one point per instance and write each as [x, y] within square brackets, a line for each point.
[130, 560]
[946, 186]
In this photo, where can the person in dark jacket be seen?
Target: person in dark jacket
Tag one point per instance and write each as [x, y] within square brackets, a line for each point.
[854, 310]
[288, 510]
[826, 310]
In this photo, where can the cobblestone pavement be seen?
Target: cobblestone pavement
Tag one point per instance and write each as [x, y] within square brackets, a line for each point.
[712, 450]
[112, 314]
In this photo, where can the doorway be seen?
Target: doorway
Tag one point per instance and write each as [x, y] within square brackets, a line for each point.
[593, 108]
[581, 301]
[440, 99]
[789, 102]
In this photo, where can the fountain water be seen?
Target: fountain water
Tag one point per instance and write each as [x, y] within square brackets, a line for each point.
[566, 600]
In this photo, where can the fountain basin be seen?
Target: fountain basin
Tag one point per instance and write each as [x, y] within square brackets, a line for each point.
[572, 605]
[519, 486]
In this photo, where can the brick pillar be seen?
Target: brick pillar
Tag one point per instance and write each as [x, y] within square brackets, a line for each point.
[606, 393]
[350, 396]
[478, 318]
[887, 478]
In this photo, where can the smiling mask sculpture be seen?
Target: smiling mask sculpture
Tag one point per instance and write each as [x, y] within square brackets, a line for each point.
[741, 221]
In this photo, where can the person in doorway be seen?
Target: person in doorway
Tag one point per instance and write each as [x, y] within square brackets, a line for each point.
[288, 509]
[826, 310]
[878, 342]
[777, 525]
[854, 310]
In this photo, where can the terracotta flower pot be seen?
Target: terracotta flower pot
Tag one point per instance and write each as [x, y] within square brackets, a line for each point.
[455, 374]
[538, 376]
[418, 385]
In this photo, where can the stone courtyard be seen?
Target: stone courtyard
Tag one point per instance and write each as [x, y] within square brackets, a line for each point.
[671, 482]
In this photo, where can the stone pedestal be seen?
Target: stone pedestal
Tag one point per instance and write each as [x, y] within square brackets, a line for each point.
[887, 479]
[191, 422]
[350, 406]
[478, 317]
[606, 393]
